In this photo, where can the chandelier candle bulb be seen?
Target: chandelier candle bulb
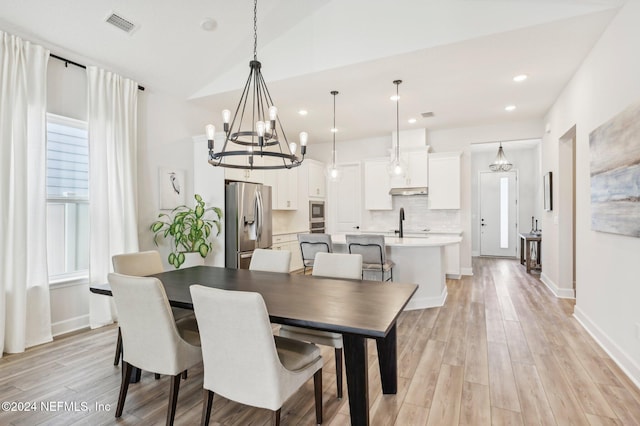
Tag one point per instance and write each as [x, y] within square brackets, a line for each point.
[293, 147]
[226, 116]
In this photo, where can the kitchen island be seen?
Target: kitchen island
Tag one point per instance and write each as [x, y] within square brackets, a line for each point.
[418, 261]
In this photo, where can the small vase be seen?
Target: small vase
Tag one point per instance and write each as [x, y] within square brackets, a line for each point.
[192, 259]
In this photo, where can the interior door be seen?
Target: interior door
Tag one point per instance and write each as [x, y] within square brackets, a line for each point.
[498, 213]
[345, 198]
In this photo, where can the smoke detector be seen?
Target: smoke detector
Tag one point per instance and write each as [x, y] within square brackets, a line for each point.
[121, 23]
[427, 114]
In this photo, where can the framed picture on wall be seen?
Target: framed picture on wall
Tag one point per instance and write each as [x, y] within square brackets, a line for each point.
[171, 182]
[547, 186]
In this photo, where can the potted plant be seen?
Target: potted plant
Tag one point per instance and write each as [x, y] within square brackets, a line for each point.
[188, 229]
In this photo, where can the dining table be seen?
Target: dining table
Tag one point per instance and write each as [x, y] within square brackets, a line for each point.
[357, 309]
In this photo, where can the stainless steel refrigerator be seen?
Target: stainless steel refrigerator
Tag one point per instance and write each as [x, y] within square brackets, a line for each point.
[247, 222]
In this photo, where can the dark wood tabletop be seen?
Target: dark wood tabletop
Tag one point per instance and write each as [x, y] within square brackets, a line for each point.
[365, 308]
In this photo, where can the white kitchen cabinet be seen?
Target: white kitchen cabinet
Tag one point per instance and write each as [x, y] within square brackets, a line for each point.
[284, 186]
[377, 185]
[417, 162]
[444, 180]
[244, 175]
[317, 183]
[289, 242]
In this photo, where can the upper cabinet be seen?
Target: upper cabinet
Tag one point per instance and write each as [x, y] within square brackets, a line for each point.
[417, 162]
[244, 175]
[376, 185]
[444, 180]
[284, 186]
[317, 183]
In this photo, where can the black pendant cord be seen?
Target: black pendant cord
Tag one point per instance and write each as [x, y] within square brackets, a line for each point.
[68, 62]
[397, 83]
[255, 30]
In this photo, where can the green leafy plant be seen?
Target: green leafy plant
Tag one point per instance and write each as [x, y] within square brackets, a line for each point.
[188, 229]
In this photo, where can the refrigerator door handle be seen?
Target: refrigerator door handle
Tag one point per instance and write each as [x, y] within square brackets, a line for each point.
[259, 213]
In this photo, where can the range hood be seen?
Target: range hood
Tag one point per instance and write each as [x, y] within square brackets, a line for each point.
[414, 190]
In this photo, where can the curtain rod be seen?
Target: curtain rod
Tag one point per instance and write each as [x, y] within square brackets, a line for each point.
[67, 62]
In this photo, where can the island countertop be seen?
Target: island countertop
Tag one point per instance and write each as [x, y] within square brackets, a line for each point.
[430, 241]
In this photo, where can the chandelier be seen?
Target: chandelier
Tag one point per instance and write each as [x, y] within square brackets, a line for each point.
[255, 128]
[396, 167]
[333, 173]
[500, 164]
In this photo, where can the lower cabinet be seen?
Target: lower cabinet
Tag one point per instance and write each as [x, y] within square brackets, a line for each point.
[289, 242]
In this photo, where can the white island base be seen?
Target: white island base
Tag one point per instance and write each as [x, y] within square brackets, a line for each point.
[418, 261]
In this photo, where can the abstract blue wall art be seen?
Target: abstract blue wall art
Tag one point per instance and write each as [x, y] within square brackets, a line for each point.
[615, 174]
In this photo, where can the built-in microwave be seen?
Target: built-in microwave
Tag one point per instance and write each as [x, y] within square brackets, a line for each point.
[316, 211]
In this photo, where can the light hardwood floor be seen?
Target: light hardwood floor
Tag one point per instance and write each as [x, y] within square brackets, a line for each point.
[502, 350]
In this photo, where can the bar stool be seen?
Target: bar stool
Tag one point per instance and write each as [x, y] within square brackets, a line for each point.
[310, 244]
[374, 255]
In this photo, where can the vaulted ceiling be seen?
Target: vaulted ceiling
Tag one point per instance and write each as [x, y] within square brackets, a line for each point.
[457, 58]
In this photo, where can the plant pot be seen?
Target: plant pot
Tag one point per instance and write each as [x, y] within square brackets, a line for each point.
[192, 259]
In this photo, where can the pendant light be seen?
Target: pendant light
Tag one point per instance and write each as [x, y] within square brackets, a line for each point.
[396, 167]
[333, 173]
[255, 128]
[500, 164]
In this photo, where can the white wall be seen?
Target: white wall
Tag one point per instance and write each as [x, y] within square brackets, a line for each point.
[607, 286]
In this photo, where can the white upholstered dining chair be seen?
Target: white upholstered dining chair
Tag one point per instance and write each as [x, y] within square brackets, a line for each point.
[140, 264]
[270, 260]
[330, 265]
[242, 359]
[152, 340]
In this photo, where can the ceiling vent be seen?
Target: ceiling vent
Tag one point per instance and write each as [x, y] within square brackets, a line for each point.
[427, 114]
[121, 23]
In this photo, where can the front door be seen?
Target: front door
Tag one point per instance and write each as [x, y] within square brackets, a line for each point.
[498, 213]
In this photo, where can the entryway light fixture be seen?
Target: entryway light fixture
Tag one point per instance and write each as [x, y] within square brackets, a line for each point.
[263, 134]
[500, 164]
[396, 167]
[333, 173]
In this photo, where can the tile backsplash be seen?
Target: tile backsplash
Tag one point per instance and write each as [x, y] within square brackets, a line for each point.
[417, 216]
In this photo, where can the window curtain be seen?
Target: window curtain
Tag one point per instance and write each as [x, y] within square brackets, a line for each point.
[25, 312]
[112, 124]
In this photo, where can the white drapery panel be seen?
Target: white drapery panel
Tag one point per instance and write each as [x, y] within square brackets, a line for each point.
[25, 312]
[112, 101]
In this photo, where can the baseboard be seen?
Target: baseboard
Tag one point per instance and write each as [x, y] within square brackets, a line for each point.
[627, 364]
[69, 325]
[466, 272]
[427, 302]
[454, 276]
[561, 293]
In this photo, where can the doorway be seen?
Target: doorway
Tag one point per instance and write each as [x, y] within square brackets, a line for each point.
[566, 214]
[498, 213]
[345, 199]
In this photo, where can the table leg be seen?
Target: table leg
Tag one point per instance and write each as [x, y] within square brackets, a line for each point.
[522, 251]
[528, 245]
[355, 359]
[388, 361]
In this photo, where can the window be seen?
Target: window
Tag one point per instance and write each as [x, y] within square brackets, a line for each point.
[67, 198]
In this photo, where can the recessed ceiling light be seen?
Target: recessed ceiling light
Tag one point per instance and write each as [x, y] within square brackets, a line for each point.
[412, 120]
[394, 98]
[303, 112]
[509, 108]
[520, 78]
[208, 24]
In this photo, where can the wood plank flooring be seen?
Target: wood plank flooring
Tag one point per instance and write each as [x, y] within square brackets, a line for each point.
[502, 350]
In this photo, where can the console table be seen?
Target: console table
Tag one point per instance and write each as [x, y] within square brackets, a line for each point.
[525, 251]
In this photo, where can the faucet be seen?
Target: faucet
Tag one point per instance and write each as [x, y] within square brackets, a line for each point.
[401, 220]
